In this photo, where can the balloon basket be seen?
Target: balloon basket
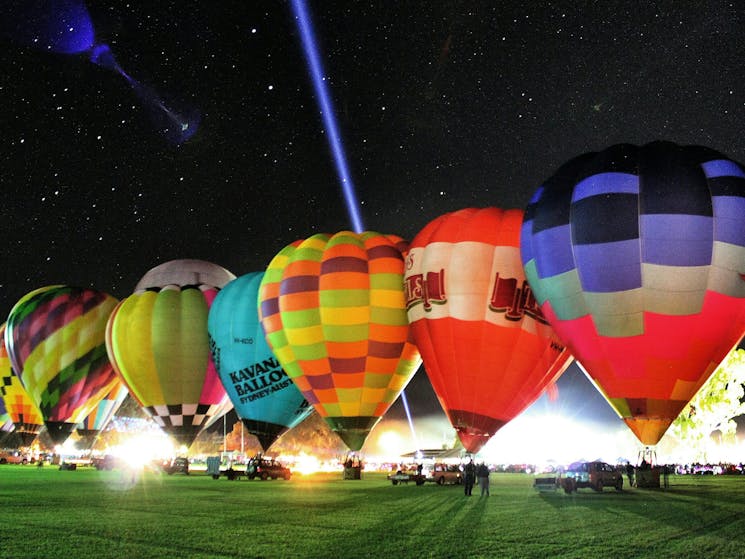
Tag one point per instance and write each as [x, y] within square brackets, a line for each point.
[648, 479]
[353, 472]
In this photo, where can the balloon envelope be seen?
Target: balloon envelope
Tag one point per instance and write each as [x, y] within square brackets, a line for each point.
[185, 272]
[99, 418]
[487, 349]
[334, 314]
[265, 398]
[636, 255]
[157, 340]
[22, 412]
[55, 339]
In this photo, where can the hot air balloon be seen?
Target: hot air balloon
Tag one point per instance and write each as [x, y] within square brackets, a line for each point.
[487, 349]
[636, 256]
[6, 424]
[23, 413]
[333, 310]
[55, 339]
[265, 398]
[99, 418]
[157, 340]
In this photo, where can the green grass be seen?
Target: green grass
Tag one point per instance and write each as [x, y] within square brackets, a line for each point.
[47, 513]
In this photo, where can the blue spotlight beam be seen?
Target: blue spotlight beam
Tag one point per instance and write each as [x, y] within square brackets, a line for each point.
[405, 402]
[310, 48]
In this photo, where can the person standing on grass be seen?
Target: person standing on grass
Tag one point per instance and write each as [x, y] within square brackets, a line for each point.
[482, 473]
[630, 473]
[469, 477]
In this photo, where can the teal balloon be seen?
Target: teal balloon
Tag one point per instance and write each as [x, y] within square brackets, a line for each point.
[265, 398]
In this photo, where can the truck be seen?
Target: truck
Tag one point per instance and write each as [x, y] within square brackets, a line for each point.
[405, 476]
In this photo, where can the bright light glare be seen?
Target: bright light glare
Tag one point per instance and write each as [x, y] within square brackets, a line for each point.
[554, 439]
[306, 464]
[390, 443]
[143, 448]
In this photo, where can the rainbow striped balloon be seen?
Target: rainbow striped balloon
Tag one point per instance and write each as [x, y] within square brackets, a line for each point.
[333, 310]
[55, 339]
[22, 412]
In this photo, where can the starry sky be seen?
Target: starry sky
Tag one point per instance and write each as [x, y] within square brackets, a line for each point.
[441, 105]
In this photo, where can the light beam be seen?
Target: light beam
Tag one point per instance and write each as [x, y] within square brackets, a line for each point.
[310, 49]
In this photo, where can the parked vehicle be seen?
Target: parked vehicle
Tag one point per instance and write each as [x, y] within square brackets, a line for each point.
[14, 457]
[443, 474]
[405, 476]
[596, 475]
[266, 469]
[178, 465]
[107, 462]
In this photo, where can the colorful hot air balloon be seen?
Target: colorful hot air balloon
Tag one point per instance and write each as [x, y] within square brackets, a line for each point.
[6, 424]
[23, 413]
[157, 340]
[55, 339]
[99, 418]
[636, 255]
[264, 397]
[334, 314]
[487, 349]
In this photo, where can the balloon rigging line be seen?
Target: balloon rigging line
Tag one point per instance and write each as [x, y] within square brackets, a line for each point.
[310, 48]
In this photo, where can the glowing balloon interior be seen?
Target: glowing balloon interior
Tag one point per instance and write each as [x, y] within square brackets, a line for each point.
[487, 349]
[636, 255]
[55, 339]
[334, 314]
[99, 418]
[266, 400]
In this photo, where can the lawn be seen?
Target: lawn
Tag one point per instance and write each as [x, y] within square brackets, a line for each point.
[82, 514]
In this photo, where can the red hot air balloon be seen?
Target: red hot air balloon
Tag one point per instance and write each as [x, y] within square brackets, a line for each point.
[487, 349]
[637, 255]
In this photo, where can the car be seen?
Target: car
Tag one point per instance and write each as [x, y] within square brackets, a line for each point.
[14, 457]
[107, 462]
[178, 465]
[596, 475]
[444, 474]
[404, 475]
[266, 469]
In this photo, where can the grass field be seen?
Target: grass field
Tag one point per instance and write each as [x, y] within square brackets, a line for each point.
[47, 513]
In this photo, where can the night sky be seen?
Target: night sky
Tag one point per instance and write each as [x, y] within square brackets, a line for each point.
[441, 105]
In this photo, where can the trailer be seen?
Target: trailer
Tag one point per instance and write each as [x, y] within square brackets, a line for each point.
[213, 469]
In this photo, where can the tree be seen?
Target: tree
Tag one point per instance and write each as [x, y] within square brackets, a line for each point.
[712, 411]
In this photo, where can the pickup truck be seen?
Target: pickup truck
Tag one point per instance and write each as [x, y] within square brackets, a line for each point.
[405, 476]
